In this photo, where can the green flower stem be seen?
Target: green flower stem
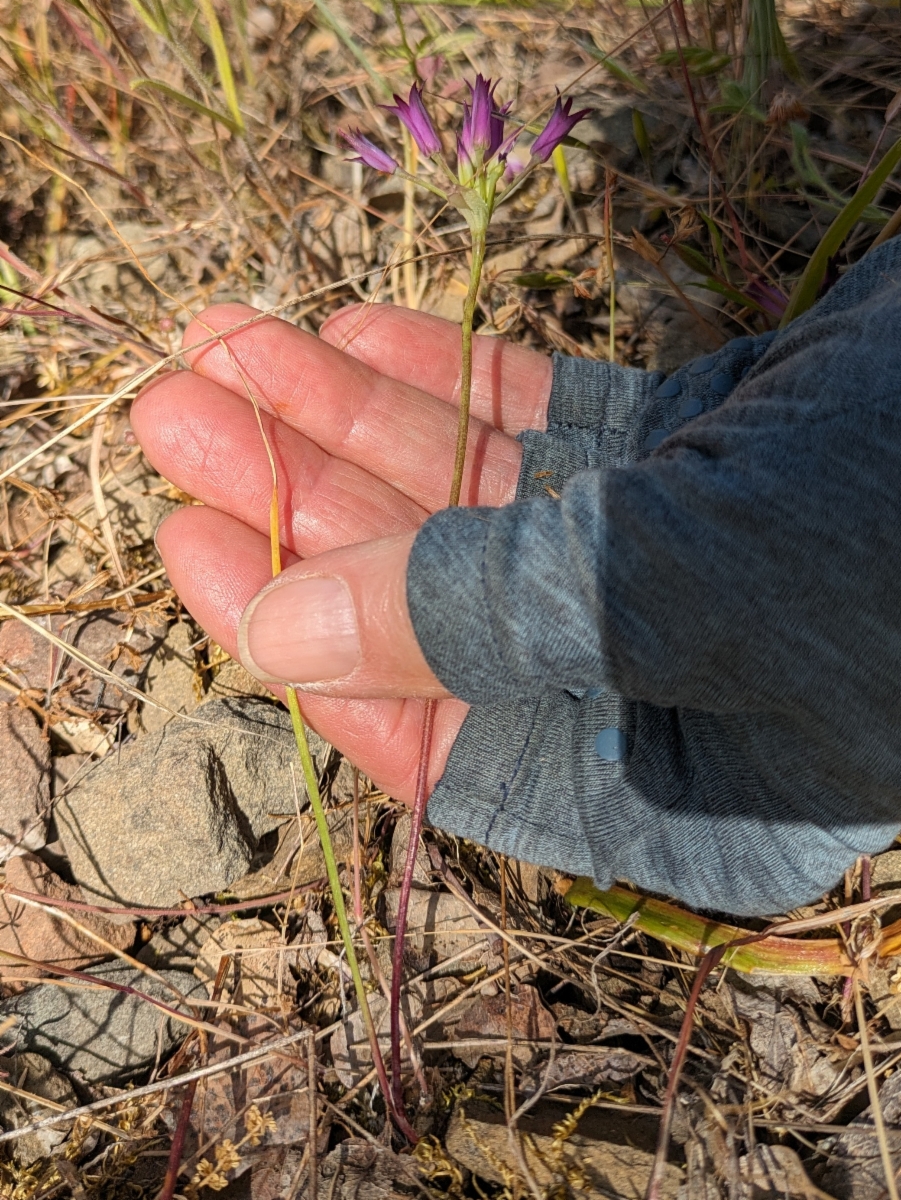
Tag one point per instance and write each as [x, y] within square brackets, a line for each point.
[479, 229]
[479, 235]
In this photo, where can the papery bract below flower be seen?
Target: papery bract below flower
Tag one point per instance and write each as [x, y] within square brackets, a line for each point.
[368, 152]
[560, 124]
[412, 112]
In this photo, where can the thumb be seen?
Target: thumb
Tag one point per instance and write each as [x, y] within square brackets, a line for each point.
[338, 624]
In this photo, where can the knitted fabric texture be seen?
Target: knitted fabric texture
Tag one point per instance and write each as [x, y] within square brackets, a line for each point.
[684, 671]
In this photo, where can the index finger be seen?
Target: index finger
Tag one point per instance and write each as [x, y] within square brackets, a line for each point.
[511, 385]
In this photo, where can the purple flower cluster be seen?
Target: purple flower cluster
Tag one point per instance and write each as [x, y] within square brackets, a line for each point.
[481, 137]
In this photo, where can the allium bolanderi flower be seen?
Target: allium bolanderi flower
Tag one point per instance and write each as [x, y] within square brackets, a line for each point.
[476, 134]
[368, 152]
[413, 114]
[561, 124]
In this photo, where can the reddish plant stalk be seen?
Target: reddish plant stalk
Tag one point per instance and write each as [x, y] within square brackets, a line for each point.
[403, 903]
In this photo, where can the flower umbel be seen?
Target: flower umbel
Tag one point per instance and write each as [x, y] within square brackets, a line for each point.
[482, 148]
[560, 124]
[368, 152]
[412, 112]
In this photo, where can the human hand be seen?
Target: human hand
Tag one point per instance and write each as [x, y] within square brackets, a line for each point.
[362, 423]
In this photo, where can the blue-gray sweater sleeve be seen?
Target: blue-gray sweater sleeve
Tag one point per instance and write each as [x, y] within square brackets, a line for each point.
[682, 643]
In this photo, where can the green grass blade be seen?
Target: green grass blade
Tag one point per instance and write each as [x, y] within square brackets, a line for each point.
[148, 18]
[223, 63]
[189, 101]
[807, 288]
[338, 27]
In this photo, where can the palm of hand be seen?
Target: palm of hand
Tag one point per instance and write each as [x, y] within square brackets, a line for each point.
[363, 439]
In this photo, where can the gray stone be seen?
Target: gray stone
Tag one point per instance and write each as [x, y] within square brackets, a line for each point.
[886, 872]
[400, 842]
[176, 948]
[170, 679]
[31, 1073]
[478, 1139]
[24, 781]
[105, 1034]
[180, 812]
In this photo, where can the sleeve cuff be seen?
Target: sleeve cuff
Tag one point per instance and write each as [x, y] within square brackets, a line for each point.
[515, 799]
[591, 395]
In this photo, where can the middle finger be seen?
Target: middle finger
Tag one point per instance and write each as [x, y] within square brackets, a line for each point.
[206, 440]
[390, 429]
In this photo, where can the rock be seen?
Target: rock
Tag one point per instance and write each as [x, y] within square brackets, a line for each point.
[852, 1167]
[180, 812]
[24, 781]
[777, 1172]
[170, 679]
[276, 1085]
[259, 975]
[121, 643]
[791, 1048]
[25, 655]
[104, 1034]
[231, 680]
[440, 926]
[886, 873]
[117, 641]
[884, 984]
[37, 934]
[358, 1170]
[598, 1168]
[485, 1023]
[68, 769]
[176, 948]
[273, 1173]
[587, 1068]
[31, 1073]
[298, 858]
[351, 1052]
[400, 840]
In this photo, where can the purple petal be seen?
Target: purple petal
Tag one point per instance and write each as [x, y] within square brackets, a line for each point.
[498, 119]
[412, 112]
[368, 152]
[560, 125]
[476, 133]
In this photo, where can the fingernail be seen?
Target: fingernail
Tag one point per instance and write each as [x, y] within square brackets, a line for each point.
[301, 632]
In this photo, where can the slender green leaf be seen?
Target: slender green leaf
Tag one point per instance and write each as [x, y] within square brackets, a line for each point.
[615, 67]
[642, 141]
[807, 288]
[338, 27]
[735, 97]
[694, 259]
[189, 101]
[731, 293]
[717, 238]
[698, 59]
[223, 63]
[543, 280]
[151, 20]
